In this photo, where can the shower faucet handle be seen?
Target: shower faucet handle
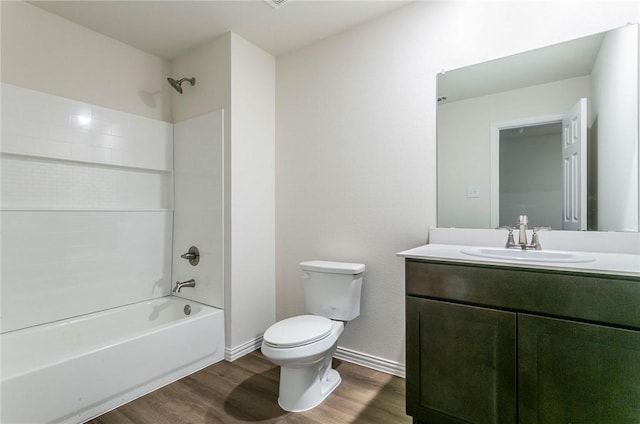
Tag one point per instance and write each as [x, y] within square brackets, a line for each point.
[192, 255]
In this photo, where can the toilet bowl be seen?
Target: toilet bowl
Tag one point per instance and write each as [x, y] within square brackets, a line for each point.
[303, 346]
[306, 377]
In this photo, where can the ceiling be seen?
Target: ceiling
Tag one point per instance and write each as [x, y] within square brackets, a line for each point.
[169, 29]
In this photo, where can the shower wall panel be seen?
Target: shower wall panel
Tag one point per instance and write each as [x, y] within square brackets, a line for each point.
[86, 208]
[199, 214]
[61, 264]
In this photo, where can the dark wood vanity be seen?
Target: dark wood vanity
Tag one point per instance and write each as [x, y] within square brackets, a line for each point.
[500, 344]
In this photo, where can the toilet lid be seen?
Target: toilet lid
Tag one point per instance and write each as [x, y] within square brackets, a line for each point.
[298, 331]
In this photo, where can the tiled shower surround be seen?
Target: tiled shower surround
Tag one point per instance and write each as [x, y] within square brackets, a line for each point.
[40, 183]
[39, 124]
[86, 208]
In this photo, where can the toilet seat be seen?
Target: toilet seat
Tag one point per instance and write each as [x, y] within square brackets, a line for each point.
[297, 331]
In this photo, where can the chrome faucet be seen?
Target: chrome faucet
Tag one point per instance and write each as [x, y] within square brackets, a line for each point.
[180, 285]
[522, 231]
[522, 235]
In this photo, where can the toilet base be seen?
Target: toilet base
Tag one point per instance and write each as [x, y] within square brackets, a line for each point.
[306, 376]
[302, 389]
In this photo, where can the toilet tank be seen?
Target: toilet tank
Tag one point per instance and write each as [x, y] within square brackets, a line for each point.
[332, 289]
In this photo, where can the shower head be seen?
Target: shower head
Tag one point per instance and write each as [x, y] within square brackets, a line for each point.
[178, 84]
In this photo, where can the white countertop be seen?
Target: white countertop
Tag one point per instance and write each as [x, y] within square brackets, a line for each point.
[604, 263]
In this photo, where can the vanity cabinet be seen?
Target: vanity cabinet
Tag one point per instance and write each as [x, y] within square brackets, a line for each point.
[496, 344]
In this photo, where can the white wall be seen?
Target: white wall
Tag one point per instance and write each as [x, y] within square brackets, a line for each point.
[617, 115]
[252, 290]
[50, 54]
[464, 143]
[356, 140]
[210, 65]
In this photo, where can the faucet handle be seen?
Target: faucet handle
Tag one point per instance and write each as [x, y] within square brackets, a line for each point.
[535, 241]
[510, 241]
[192, 255]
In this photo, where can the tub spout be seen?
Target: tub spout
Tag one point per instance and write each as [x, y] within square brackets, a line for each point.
[181, 284]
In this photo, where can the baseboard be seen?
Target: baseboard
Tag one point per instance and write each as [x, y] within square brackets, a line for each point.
[344, 354]
[237, 352]
[370, 361]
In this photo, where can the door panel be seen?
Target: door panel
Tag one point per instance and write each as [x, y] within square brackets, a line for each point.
[462, 368]
[571, 372]
[574, 167]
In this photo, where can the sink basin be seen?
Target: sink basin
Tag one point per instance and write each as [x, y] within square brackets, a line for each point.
[527, 255]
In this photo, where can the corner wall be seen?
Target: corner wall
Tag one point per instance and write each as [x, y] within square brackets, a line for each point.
[618, 125]
[251, 294]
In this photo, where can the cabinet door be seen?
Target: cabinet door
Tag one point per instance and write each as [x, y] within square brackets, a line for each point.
[461, 363]
[576, 373]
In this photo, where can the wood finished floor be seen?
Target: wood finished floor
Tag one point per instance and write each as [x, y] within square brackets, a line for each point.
[246, 391]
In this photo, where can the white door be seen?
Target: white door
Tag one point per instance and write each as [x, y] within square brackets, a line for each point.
[574, 167]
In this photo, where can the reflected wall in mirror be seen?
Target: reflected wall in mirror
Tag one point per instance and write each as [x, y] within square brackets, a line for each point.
[507, 131]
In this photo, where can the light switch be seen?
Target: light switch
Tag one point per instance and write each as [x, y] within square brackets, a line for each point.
[473, 191]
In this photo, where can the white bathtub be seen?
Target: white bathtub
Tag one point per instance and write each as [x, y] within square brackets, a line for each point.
[74, 370]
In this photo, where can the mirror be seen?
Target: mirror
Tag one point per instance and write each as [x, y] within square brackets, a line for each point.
[504, 127]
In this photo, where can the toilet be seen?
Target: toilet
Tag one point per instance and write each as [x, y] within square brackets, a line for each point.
[303, 346]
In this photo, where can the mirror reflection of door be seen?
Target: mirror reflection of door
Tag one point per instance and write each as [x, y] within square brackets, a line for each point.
[531, 175]
[542, 172]
[574, 167]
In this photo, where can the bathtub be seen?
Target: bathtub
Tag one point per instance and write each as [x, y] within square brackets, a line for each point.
[74, 370]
